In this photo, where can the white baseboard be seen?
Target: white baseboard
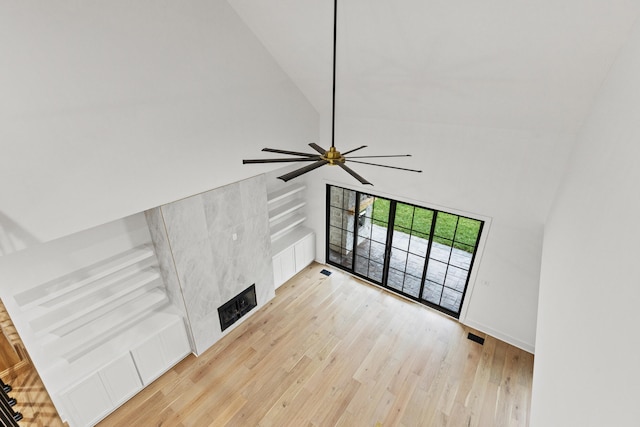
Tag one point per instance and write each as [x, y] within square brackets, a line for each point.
[530, 348]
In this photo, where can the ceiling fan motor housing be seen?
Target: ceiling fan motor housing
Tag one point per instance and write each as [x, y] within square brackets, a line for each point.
[333, 156]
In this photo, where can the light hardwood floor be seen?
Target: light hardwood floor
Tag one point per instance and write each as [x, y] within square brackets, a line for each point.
[33, 401]
[336, 351]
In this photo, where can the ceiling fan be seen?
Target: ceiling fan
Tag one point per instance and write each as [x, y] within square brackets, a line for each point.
[332, 156]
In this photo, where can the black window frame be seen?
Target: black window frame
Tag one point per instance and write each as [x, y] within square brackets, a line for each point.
[389, 239]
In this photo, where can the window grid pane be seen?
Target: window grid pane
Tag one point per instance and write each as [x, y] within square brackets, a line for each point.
[423, 242]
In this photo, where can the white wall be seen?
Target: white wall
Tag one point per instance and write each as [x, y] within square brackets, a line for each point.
[506, 176]
[110, 108]
[587, 371]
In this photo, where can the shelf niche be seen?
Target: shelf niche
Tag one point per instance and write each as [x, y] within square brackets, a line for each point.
[292, 243]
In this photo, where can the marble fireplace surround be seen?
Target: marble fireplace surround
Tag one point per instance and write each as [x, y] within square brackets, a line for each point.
[210, 247]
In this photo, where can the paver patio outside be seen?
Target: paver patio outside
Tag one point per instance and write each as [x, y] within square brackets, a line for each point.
[446, 274]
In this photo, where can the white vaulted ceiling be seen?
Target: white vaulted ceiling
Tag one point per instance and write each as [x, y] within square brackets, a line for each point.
[528, 65]
[110, 108]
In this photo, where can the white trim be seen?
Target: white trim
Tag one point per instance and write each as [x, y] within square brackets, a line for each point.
[530, 348]
[473, 274]
[418, 202]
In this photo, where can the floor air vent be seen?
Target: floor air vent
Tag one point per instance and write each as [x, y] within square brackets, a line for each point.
[474, 337]
[325, 272]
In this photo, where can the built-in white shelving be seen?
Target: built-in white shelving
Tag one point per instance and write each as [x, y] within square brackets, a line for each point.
[97, 314]
[286, 214]
[120, 367]
[285, 209]
[42, 294]
[281, 228]
[299, 233]
[94, 333]
[284, 193]
[292, 244]
[90, 304]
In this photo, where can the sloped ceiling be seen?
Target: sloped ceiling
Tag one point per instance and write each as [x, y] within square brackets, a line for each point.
[527, 65]
[109, 108]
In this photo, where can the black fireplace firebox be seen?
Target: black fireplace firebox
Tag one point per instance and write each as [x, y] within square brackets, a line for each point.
[237, 307]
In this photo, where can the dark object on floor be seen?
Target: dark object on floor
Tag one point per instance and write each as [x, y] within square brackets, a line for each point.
[476, 338]
[325, 272]
[8, 417]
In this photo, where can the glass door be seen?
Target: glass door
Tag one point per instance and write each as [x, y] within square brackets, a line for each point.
[409, 247]
[373, 229]
[357, 232]
[455, 240]
[340, 230]
[421, 253]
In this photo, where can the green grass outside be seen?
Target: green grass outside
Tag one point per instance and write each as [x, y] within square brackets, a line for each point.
[417, 221]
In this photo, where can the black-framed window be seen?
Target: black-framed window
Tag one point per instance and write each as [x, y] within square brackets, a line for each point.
[421, 253]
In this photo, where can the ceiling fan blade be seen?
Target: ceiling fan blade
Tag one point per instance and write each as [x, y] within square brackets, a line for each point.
[299, 159]
[293, 153]
[355, 149]
[353, 174]
[296, 173]
[370, 157]
[317, 148]
[386, 166]
[331, 156]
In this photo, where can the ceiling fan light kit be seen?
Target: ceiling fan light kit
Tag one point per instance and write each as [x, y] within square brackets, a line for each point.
[332, 156]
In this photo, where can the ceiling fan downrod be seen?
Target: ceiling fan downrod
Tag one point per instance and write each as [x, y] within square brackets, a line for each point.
[331, 156]
[333, 95]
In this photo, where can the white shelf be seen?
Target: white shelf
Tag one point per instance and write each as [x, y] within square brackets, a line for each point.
[65, 373]
[122, 316]
[289, 239]
[86, 307]
[284, 193]
[281, 228]
[54, 288]
[285, 209]
[84, 316]
[93, 286]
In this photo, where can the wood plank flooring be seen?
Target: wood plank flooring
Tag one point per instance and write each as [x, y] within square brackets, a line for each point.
[8, 355]
[336, 351]
[33, 401]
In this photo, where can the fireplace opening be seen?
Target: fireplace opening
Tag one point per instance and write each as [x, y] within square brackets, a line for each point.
[237, 307]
